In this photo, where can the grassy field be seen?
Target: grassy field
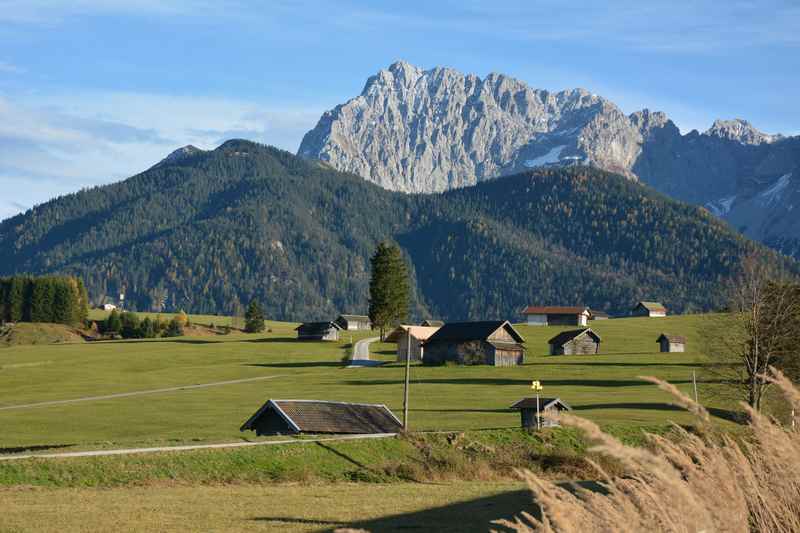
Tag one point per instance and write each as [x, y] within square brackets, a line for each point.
[290, 508]
[603, 388]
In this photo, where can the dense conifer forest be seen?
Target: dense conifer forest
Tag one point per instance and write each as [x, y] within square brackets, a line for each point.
[55, 299]
[210, 232]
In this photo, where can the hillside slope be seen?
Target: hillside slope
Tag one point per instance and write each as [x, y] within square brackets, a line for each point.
[211, 230]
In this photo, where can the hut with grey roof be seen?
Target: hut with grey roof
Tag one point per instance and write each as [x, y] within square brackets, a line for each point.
[551, 407]
[671, 343]
[649, 309]
[494, 342]
[575, 342]
[354, 322]
[292, 417]
[318, 331]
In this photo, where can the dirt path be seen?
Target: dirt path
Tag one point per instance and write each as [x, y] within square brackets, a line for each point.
[134, 393]
[361, 354]
[129, 451]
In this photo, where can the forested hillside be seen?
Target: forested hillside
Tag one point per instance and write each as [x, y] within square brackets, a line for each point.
[214, 229]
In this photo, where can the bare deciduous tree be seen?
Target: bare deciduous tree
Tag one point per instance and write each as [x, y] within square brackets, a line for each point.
[761, 330]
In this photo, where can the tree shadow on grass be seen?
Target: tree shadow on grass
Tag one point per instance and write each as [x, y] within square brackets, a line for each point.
[299, 364]
[278, 339]
[517, 382]
[467, 516]
[655, 406]
[33, 448]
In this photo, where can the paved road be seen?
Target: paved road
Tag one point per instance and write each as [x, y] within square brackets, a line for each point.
[361, 354]
[134, 393]
[129, 451]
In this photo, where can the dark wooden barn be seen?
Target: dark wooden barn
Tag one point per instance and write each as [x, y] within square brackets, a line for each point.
[598, 315]
[575, 342]
[551, 406]
[318, 331]
[494, 343]
[291, 417]
[671, 343]
[354, 322]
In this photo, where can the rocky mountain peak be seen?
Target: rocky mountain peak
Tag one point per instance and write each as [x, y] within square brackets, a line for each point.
[419, 130]
[739, 130]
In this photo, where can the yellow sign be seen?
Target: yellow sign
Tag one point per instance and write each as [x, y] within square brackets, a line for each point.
[536, 385]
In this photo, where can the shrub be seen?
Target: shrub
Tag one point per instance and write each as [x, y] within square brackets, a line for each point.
[174, 328]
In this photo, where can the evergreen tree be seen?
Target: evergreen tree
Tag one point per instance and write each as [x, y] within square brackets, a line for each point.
[130, 325]
[64, 301]
[147, 329]
[43, 299]
[254, 318]
[388, 287]
[113, 323]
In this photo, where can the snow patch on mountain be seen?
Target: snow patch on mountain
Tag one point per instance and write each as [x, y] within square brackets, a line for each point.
[774, 193]
[552, 156]
[720, 208]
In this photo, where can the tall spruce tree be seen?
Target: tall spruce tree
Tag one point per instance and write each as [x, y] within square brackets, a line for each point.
[388, 287]
[254, 318]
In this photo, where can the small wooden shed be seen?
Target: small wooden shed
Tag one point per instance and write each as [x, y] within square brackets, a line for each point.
[575, 342]
[417, 335]
[550, 406]
[598, 315]
[671, 343]
[493, 342]
[354, 322]
[649, 309]
[432, 323]
[318, 331]
[556, 315]
[290, 417]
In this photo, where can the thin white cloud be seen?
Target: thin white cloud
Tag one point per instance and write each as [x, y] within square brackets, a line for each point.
[60, 143]
[8, 68]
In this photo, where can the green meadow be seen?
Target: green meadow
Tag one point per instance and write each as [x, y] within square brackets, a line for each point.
[604, 388]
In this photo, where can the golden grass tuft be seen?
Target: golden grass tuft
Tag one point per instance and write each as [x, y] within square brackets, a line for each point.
[692, 483]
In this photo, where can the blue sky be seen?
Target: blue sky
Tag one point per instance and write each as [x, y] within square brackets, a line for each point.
[93, 91]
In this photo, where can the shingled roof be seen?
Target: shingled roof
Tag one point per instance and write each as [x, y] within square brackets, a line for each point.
[418, 332]
[652, 306]
[544, 403]
[566, 336]
[554, 310]
[679, 339]
[473, 331]
[319, 416]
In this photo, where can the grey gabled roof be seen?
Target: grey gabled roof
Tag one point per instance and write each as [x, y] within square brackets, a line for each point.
[320, 416]
[473, 331]
[318, 326]
[566, 336]
[672, 338]
[355, 317]
[544, 403]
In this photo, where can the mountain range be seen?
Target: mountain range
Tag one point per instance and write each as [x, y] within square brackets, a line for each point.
[418, 130]
[207, 231]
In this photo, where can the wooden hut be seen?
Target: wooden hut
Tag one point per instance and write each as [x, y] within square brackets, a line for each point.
[354, 322]
[649, 309]
[432, 323]
[575, 342]
[671, 343]
[556, 316]
[417, 335]
[598, 315]
[318, 331]
[494, 343]
[290, 417]
[550, 406]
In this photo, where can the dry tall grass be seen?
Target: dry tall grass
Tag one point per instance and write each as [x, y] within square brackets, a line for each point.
[698, 482]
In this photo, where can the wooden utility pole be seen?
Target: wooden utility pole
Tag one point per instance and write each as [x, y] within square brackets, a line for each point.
[408, 372]
[694, 382]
